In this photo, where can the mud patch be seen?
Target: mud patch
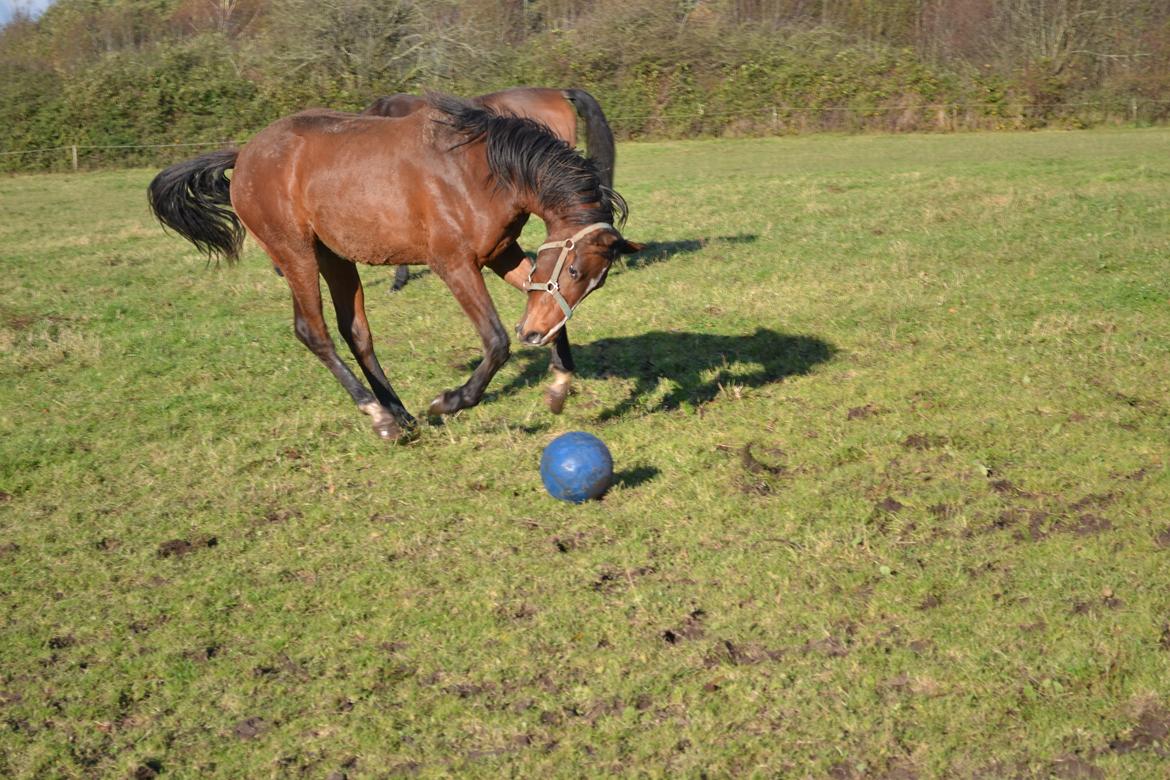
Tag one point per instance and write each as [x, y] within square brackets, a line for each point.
[1163, 538]
[61, 642]
[1006, 488]
[1092, 606]
[251, 728]
[1074, 768]
[1151, 732]
[862, 412]
[148, 770]
[740, 654]
[691, 628]
[177, 548]
[924, 441]
[829, 646]
[277, 516]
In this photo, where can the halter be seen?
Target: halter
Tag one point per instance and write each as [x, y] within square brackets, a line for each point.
[552, 286]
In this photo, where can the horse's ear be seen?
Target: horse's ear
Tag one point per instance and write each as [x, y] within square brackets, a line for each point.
[625, 247]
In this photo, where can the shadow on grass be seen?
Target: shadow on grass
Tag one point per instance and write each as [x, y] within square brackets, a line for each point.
[697, 365]
[635, 476]
[661, 251]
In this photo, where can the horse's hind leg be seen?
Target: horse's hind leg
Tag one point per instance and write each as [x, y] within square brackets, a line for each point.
[345, 287]
[401, 276]
[512, 267]
[300, 271]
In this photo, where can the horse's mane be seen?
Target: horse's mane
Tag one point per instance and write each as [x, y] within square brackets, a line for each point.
[524, 154]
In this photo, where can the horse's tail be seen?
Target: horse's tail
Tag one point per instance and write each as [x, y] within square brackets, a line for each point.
[598, 135]
[193, 198]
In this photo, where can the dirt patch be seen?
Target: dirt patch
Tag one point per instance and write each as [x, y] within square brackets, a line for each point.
[565, 544]
[691, 628]
[930, 602]
[177, 548]
[1087, 525]
[862, 412]
[107, 544]
[5, 496]
[9, 549]
[754, 465]
[1006, 488]
[1163, 538]
[740, 654]
[889, 505]
[276, 516]
[1074, 768]
[251, 728]
[283, 667]
[830, 646]
[61, 642]
[1151, 732]
[924, 441]
[1092, 606]
[148, 770]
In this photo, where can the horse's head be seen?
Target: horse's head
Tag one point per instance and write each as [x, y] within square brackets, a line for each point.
[564, 272]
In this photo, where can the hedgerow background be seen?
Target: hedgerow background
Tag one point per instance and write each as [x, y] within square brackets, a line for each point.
[102, 73]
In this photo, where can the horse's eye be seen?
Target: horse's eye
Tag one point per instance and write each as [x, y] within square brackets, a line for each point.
[573, 272]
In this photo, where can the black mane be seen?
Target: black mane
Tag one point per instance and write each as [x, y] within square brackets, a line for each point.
[524, 154]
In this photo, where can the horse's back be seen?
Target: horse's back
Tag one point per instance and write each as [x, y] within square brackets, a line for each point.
[546, 105]
[350, 180]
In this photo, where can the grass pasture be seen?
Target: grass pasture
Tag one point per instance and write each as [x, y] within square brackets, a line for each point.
[890, 423]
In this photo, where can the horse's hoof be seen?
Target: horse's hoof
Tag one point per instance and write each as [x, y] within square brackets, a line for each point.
[554, 398]
[388, 431]
[445, 403]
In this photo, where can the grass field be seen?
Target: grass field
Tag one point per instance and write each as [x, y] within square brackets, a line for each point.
[890, 423]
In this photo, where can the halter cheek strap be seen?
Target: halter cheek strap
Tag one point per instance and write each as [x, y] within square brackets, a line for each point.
[552, 286]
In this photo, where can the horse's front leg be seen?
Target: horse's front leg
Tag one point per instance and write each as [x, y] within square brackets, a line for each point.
[512, 267]
[562, 370]
[466, 283]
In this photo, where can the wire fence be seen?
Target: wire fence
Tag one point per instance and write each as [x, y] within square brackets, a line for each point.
[694, 121]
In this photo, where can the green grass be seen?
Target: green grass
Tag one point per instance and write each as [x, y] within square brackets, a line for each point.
[889, 416]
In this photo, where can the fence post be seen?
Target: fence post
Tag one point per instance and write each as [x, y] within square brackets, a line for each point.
[1133, 110]
[73, 148]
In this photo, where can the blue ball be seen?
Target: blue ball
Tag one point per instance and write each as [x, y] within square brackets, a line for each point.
[576, 467]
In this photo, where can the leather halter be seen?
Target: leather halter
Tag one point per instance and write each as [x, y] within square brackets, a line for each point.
[552, 286]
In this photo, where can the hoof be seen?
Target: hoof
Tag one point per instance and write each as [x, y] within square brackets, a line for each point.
[554, 398]
[387, 431]
[447, 402]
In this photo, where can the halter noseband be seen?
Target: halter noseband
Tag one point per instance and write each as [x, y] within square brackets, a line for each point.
[552, 286]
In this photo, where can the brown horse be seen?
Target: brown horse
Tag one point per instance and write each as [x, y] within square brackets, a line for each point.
[557, 109]
[450, 185]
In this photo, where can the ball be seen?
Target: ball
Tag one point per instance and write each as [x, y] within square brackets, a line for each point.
[576, 467]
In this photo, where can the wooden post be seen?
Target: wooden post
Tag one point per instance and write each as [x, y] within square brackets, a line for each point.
[1133, 110]
[74, 150]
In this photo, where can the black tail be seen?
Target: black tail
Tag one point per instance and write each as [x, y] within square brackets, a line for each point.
[598, 136]
[193, 199]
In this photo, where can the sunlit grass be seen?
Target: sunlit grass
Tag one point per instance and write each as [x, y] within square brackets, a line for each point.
[889, 417]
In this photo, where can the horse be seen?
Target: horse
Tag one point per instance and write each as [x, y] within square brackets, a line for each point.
[450, 185]
[557, 109]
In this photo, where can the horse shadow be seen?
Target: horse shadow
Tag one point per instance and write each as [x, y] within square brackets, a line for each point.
[661, 251]
[697, 366]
